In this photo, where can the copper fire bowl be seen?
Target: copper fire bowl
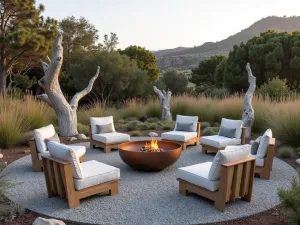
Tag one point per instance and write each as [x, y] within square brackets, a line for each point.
[149, 161]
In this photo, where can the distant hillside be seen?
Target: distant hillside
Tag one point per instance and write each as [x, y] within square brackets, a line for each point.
[190, 57]
[168, 51]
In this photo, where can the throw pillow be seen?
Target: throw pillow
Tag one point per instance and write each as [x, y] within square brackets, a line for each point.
[187, 127]
[255, 145]
[105, 128]
[53, 138]
[227, 132]
[264, 144]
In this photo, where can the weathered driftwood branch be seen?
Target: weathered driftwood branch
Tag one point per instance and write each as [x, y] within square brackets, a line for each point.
[84, 92]
[248, 113]
[164, 98]
[66, 113]
[44, 98]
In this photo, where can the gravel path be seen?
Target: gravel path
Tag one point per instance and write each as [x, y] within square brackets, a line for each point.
[144, 198]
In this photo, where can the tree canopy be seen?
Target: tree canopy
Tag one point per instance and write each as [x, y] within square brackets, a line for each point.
[175, 81]
[271, 54]
[119, 79]
[25, 35]
[145, 60]
[205, 73]
[79, 36]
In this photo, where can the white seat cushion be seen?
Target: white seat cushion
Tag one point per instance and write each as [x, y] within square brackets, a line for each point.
[79, 151]
[219, 141]
[101, 121]
[237, 124]
[198, 175]
[187, 119]
[258, 161]
[94, 173]
[178, 135]
[40, 135]
[109, 138]
[66, 153]
[230, 154]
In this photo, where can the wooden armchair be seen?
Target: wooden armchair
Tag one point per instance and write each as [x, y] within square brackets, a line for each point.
[236, 181]
[36, 156]
[182, 137]
[216, 143]
[263, 170]
[60, 182]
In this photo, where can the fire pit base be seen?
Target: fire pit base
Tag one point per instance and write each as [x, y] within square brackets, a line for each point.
[149, 161]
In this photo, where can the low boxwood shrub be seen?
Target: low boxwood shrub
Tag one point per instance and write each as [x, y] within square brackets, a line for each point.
[153, 120]
[204, 125]
[208, 131]
[136, 133]
[83, 129]
[286, 152]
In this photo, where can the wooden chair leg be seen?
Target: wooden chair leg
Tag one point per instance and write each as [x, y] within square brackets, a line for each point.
[204, 151]
[107, 149]
[182, 189]
[265, 174]
[92, 145]
[114, 188]
[220, 205]
[73, 202]
[183, 146]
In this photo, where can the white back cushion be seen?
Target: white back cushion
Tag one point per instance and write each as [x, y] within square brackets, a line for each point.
[237, 124]
[264, 144]
[101, 121]
[187, 119]
[66, 153]
[40, 135]
[230, 154]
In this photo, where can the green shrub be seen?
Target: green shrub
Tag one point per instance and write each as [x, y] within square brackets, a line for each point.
[121, 121]
[83, 129]
[144, 126]
[204, 125]
[291, 200]
[153, 126]
[208, 131]
[286, 152]
[131, 119]
[120, 127]
[167, 126]
[276, 89]
[133, 125]
[136, 133]
[153, 120]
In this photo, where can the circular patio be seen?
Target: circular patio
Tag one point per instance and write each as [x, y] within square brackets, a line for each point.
[144, 198]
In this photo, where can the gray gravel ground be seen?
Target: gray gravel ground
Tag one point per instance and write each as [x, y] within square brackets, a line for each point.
[144, 198]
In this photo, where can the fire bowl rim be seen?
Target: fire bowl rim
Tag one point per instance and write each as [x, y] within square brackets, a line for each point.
[140, 141]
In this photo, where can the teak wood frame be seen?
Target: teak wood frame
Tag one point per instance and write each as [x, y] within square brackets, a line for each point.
[59, 182]
[236, 181]
[193, 141]
[264, 172]
[37, 165]
[206, 148]
[106, 147]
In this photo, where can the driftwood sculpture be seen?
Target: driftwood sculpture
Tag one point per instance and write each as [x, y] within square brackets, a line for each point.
[164, 98]
[66, 112]
[248, 113]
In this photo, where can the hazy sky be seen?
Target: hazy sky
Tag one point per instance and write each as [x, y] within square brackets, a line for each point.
[161, 24]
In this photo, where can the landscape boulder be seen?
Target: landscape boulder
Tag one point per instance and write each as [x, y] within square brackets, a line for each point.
[73, 139]
[43, 221]
[82, 137]
[153, 134]
[298, 161]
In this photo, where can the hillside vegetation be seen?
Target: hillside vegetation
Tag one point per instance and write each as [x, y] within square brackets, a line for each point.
[190, 57]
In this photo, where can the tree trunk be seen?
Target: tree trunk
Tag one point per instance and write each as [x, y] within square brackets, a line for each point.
[164, 98]
[248, 112]
[2, 80]
[66, 112]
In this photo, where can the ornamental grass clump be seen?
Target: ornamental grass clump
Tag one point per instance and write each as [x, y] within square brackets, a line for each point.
[286, 152]
[290, 198]
[13, 123]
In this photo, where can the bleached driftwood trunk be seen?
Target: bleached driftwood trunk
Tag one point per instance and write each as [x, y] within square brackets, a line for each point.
[66, 112]
[164, 98]
[248, 113]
